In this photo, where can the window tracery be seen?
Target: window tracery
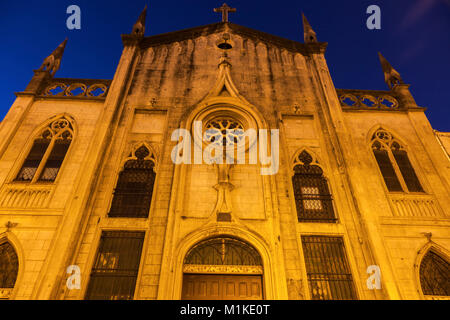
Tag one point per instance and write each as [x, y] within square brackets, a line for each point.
[48, 152]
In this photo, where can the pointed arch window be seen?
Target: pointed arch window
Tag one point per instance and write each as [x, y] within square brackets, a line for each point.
[47, 154]
[9, 265]
[312, 195]
[394, 164]
[134, 190]
[435, 275]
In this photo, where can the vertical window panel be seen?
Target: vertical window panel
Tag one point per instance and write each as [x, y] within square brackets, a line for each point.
[55, 160]
[327, 267]
[408, 173]
[33, 160]
[387, 170]
[116, 266]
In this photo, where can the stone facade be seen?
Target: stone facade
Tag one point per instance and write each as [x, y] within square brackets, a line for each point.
[166, 82]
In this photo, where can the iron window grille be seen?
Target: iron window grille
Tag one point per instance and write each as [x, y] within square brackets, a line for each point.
[116, 266]
[313, 199]
[223, 251]
[394, 164]
[327, 267]
[435, 275]
[133, 194]
[9, 266]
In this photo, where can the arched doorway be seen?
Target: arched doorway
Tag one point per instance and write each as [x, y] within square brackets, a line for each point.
[434, 275]
[222, 268]
[9, 266]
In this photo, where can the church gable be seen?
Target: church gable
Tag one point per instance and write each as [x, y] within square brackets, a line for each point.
[181, 67]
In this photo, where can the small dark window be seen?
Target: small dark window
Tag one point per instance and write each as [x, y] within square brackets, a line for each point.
[134, 190]
[435, 275]
[9, 266]
[312, 195]
[327, 267]
[116, 266]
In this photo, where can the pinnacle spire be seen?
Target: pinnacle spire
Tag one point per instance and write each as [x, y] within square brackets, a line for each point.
[139, 26]
[391, 76]
[309, 34]
[53, 61]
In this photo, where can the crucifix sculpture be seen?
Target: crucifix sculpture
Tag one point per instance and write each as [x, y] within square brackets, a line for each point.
[225, 9]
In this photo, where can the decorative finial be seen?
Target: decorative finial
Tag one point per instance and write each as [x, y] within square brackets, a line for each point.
[391, 76]
[225, 9]
[427, 235]
[53, 61]
[9, 225]
[139, 26]
[309, 34]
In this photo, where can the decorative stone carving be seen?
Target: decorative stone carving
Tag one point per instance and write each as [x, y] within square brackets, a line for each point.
[222, 269]
[77, 88]
[391, 76]
[53, 61]
[367, 99]
[25, 196]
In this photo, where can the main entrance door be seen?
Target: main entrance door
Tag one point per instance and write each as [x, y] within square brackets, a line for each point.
[222, 287]
[222, 269]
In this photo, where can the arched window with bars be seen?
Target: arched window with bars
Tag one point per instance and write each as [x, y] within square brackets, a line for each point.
[134, 190]
[435, 274]
[9, 265]
[394, 163]
[313, 199]
[48, 152]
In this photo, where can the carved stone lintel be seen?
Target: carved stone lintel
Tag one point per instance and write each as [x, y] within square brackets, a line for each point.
[222, 269]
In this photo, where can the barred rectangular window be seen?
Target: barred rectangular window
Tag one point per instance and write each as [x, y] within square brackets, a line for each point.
[116, 266]
[328, 270]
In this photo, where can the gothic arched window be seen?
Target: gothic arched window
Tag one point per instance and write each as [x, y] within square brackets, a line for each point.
[9, 265]
[435, 275]
[47, 153]
[394, 164]
[133, 194]
[312, 195]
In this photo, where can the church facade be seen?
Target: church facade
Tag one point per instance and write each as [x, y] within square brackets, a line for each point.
[99, 201]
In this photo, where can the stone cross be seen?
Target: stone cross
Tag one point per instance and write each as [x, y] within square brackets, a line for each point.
[225, 9]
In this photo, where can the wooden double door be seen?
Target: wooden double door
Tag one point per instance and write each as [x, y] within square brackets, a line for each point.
[222, 287]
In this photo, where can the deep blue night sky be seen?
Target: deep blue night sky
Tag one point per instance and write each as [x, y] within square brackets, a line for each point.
[415, 38]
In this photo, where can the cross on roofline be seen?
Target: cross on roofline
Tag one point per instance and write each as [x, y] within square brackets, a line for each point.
[225, 9]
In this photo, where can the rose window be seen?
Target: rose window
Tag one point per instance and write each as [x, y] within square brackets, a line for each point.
[224, 131]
